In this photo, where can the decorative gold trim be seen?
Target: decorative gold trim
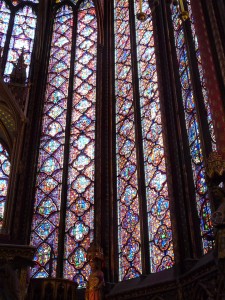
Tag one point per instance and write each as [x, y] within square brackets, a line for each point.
[215, 167]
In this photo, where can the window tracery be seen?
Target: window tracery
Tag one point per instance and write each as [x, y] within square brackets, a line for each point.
[67, 147]
[17, 32]
[64, 199]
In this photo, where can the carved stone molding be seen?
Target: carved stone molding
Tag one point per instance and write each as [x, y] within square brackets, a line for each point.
[52, 289]
[9, 252]
[14, 263]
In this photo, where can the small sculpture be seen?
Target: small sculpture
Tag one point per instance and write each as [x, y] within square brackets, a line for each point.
[96, 279]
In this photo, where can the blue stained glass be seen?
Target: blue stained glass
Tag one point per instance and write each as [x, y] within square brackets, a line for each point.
[50, 162]
[22, 38]
[192, 126]
[4, 23]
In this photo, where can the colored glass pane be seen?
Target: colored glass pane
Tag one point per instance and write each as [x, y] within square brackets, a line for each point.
[204, 89]
[51, 153]
[73, 1]
[4, 180]
[22, 38]
[80, 196]
[160, 231]
[4, 23]
[192, 126]
[15, 2]
[129, 243]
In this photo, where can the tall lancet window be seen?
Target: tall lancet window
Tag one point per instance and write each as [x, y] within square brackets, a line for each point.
[184, 36]
[63, 221]
[141, 167]
[18, 21]
[4, 23]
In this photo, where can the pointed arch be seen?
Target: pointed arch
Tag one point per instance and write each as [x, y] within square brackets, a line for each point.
[63, 221]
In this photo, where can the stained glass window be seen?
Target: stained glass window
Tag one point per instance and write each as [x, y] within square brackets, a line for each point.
[4, 23]
[17, 33]
[78, 142]
[4, 180]
[192, 123]
[156, 193]
[50, 165]
[160, 232]
[64, 208]
[22, 38]
[201, 74]
[80, 197]
[129, 239]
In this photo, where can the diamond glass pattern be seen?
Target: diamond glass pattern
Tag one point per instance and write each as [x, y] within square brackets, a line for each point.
[4, 23]
[192, 126]
[22, 38]
[80, 208]
[50, 163]
[128, 210]
[154, 157]
[204, 89]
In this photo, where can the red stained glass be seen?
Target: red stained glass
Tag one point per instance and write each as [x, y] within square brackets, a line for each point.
[192, 127]
[80, 199]
[45, 223]
[22, 38]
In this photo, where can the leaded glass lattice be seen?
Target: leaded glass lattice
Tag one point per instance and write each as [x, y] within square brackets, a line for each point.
[129, 240]
[192, 127]
[159, 223]
[80, 146]
[201, 74]
[4, 180]
[45, 226]
[22, 38]
[80, 197]
[4, 23]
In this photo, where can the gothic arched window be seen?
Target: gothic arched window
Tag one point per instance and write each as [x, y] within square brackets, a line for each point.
[138, 114]
[142, 188]
[17, 31]
[140, 131]
[184, 37]
[63, 221]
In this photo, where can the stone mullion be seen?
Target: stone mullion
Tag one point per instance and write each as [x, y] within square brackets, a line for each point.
[26, 182]
[185, 208]
[214, 97]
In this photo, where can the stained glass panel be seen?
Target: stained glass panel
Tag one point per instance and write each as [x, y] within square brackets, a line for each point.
[15, 2]
[51, 153]
[192, 126]
[204, 89]
[4, 23]
[159, 223]
[80, 197]
[4, 180]
[22, 38]
[73, 1]
[129, 243]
